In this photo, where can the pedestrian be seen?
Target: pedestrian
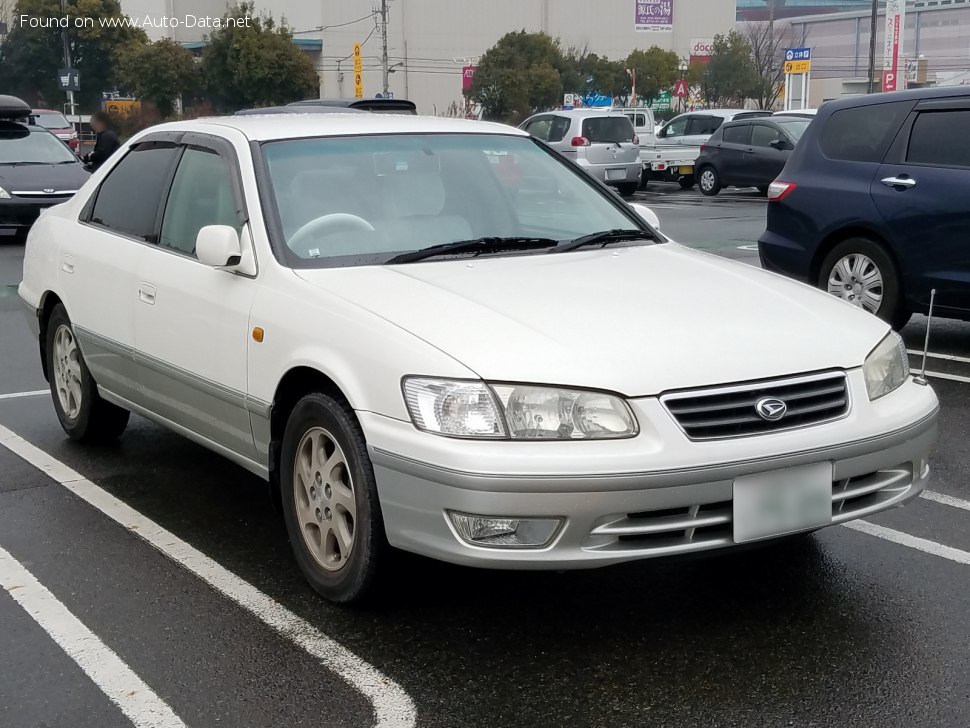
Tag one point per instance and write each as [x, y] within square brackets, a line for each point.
[105, 144]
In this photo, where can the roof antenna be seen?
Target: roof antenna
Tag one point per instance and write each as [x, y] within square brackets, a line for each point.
[926, 342]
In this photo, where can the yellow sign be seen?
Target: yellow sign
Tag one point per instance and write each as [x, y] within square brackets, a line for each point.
[798, 66]
[358, 58]
[358, 85]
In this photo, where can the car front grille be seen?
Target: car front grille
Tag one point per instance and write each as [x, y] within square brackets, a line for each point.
[732, 411]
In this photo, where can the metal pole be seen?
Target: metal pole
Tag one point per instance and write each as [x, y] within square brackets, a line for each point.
[872, 47]
[67, 59]
[384, 66]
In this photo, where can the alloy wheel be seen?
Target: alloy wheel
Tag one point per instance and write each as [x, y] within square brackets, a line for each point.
[67, 371]
[326, 506]
[707, 180]
[857, 279]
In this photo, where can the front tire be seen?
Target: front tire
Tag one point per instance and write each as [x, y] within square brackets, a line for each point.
[860, 271]
[83, 414]
[329, 498]
[709, 182]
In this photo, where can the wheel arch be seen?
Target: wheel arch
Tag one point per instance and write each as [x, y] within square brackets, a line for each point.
[855, 231]
[48, 301]
[297, 382]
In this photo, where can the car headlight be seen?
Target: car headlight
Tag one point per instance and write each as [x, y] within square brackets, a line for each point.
[886, 367]
[518, 412]
[4, 195]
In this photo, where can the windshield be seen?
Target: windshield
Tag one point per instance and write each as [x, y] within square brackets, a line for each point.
[364, 200]
[39, 147]
[51, 120]
[615, 129]
[794, 127]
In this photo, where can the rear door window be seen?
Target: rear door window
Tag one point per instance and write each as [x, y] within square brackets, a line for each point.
[940, 139]
[608, 129]
[737, 134]
[862, 133]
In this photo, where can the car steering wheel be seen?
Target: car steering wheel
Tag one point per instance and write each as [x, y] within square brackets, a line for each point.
[335, 222]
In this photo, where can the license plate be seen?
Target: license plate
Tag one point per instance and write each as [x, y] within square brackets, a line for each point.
[616, 173]
[782, 501]
[686, 170]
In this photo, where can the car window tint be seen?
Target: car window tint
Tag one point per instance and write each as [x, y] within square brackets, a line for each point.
[737, 134]
[862, 133]
[676, 128]
[940, 138]
[128, 198]
[201, 195]
[763, 135]
[608, 129]
[560, 126]
[540, 129]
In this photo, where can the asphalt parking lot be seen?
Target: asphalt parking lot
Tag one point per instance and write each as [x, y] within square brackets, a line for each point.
[151, 583]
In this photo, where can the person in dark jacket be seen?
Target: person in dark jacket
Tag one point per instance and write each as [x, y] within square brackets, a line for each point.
[106, 143]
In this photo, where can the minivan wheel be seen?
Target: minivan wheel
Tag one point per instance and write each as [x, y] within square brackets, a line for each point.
[860, 271]
[83, 414]
[709, 182]
[329, 499]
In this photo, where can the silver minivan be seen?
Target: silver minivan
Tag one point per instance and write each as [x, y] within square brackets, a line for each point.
[602, 142]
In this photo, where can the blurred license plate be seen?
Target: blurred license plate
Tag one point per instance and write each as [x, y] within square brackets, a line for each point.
[782, 501]
[686, 170]
[616, 173]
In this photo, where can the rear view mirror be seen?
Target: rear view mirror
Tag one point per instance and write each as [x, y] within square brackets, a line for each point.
[218, 246]
[646, 214]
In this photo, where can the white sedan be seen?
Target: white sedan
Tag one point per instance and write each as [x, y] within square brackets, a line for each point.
[440, 336]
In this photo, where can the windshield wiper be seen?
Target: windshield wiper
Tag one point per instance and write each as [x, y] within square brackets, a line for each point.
[478, 246]
[603, 238]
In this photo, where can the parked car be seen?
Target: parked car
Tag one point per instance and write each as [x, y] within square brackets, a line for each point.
[603, 143]
[804, 113]
[317, 106]
[442, 336]
[748, 153]
[36, 169]
[58, 125]
[873, 207]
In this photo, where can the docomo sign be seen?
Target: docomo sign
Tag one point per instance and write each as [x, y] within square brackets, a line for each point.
[895, 24]
[701, 49]
[467, 77]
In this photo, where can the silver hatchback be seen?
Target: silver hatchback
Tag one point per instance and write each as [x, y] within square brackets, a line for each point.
[602, 142]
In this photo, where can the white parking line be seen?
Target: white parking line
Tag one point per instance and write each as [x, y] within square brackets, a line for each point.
[947, 500]
[18, 395]
[122, 686]
[951, 377]
[393, 708]
[913, 542]
[933, 355]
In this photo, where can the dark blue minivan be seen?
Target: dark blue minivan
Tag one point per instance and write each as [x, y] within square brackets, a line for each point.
[874, 204]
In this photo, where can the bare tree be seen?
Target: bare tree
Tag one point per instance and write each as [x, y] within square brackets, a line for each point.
[769, 40]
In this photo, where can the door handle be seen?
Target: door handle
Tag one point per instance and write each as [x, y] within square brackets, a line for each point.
[906, 182]
[67, 264]
[146, 293]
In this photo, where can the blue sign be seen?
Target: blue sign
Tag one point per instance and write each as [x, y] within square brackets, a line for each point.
[798, 54]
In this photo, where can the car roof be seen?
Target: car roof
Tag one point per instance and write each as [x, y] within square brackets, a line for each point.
[933, 92]
[268, 127]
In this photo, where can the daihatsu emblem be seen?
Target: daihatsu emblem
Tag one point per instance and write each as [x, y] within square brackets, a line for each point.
[49, 190]
[770, 409]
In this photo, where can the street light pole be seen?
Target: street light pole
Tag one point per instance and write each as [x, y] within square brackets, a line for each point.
[67, 59]
[384, 66]
[872, 47]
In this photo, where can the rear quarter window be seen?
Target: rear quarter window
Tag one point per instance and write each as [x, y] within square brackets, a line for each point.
[736, 134]
[606, 129]
[862, 133]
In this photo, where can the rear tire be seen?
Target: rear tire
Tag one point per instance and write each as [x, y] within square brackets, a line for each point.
[860, 271]
[628, 189]
[83, 414]
[709, 181]
[686, 182]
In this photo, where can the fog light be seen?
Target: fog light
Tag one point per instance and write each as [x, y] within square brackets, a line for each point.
[505, 532]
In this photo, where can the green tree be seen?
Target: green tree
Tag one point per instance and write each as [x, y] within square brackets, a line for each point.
[518, 76]
[656, 71]
[158, 72]
[32, 56]
[255, 63]
[730, 75]
[588, 73]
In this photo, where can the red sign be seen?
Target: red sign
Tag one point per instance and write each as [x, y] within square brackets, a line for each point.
[467, 77]
[680, 89]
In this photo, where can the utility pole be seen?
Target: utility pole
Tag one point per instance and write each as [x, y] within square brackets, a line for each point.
[67, 58]
[770, 61]
[872, 47]
[384, 64]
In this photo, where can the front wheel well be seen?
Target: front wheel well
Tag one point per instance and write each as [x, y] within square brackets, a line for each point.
[840, 236]
[294, 385]
[48, 303]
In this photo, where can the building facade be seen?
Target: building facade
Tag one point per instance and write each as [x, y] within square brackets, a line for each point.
[430, 41]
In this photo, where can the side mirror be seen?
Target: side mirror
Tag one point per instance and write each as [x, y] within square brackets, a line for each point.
[779, 144]
[646, 214]
[218, 246]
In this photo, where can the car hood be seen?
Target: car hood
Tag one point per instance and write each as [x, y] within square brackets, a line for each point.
[635, 320]
[42, 176]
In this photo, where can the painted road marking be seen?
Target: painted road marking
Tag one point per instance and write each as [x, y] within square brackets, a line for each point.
[913, 542]
[933, 355]
[947, 500]
[17, 395]
[747, 247]
[393, 708]
[951, 377]
[115, 679]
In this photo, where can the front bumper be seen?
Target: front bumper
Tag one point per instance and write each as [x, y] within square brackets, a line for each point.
[681, 504]
[18, 214]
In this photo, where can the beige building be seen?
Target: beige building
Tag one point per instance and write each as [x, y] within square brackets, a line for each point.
[430, 41]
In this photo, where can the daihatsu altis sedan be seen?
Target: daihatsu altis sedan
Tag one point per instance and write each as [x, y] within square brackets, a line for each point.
[441, 336]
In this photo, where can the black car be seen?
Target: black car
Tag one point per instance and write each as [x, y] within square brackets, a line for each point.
[747, 153]
[874, 204]
[37, 170]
